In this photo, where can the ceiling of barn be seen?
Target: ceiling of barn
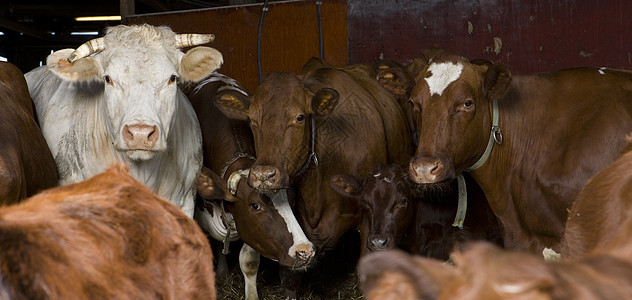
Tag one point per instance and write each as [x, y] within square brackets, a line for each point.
[33, 27]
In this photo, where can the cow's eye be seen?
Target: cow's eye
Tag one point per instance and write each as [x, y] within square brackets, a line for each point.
[468, 103]
[255, 206]
[404, 201]
[107, 79]
[300, 118]
[173, 78]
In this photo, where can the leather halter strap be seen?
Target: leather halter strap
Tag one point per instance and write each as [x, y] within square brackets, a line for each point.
[495, 136]
[312, 149]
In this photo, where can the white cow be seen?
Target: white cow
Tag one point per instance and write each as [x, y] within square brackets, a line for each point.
[115, 98]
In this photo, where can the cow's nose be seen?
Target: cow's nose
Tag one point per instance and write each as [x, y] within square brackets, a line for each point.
[380, 243]
[303, 253]
[427, 170]
[140, 136]
[264, 177]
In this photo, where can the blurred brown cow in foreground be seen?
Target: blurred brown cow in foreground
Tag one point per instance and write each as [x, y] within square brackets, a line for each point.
[108, 237]
[596, 252]
[484, 271]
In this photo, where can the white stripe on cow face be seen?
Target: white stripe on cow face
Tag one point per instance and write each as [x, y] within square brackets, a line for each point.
[280, 202]
[442, 74]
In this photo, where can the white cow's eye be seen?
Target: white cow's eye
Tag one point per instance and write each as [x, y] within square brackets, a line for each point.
[107, 79]
[173, 78]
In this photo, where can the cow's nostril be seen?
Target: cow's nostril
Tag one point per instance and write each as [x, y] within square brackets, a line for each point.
[269, 173]
[435, 167]
[153, 135]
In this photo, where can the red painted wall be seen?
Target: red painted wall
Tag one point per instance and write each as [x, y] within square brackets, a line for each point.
[534, 36]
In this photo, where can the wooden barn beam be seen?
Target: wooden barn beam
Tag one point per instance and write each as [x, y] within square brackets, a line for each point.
[127, 8]
[17, 27]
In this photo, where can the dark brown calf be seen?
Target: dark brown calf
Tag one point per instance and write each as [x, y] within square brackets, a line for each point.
[483, 271]
[26, 164]
[108, 237]
[396, 214]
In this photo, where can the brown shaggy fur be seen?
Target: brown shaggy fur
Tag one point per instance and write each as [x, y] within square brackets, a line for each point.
[108, 237]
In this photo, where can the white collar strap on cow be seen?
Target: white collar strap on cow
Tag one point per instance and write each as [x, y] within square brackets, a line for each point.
[496, 136]
[462, 206]
[312, 149]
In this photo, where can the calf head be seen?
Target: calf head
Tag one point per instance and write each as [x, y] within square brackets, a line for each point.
[452, 101]
[264, 223]
[137, 67]
[281, 116]
[386, 198]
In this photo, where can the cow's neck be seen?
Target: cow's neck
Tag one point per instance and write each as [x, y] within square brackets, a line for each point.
[507, 182]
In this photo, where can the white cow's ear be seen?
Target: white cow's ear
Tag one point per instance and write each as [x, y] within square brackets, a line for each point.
[199, 62]
[85, 69]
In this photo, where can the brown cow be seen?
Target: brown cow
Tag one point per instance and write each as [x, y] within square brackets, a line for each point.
[108, 237]
[229, 151]
[26, 164]
[395, 214]
[308, 127]
[599, 219]
[550, 133]
[484, 271]
[325, 121]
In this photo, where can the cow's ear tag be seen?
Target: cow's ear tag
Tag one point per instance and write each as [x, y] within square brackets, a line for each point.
[324, 101]
[233, 106]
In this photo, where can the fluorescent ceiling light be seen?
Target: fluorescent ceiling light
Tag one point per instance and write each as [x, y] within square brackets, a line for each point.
[99, 18]
[2, 58]
[85, 33]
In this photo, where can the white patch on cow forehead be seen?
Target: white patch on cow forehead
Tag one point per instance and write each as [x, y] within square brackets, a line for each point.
[442, 74]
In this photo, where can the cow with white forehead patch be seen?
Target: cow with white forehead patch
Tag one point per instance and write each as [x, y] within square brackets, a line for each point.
[115, 98]
[530, 141]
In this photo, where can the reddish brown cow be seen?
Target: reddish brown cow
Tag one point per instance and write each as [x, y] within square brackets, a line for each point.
[308, 127]
[108, 237]
[483, 271]
[26, 164]
[229, 151]
[397, 215]
[553, 132]
[599, 219]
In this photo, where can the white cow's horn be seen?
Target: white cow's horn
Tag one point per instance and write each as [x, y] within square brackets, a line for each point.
[233, 180]
[190, 39]
[87, 48]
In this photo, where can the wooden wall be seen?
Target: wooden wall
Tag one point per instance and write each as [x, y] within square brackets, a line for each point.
[526, 35]
[289, 35]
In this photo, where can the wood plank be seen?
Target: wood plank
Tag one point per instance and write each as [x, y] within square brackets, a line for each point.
[289, 35]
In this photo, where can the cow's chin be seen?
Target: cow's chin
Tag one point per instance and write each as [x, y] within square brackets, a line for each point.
[140, 155]
[297, 264]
